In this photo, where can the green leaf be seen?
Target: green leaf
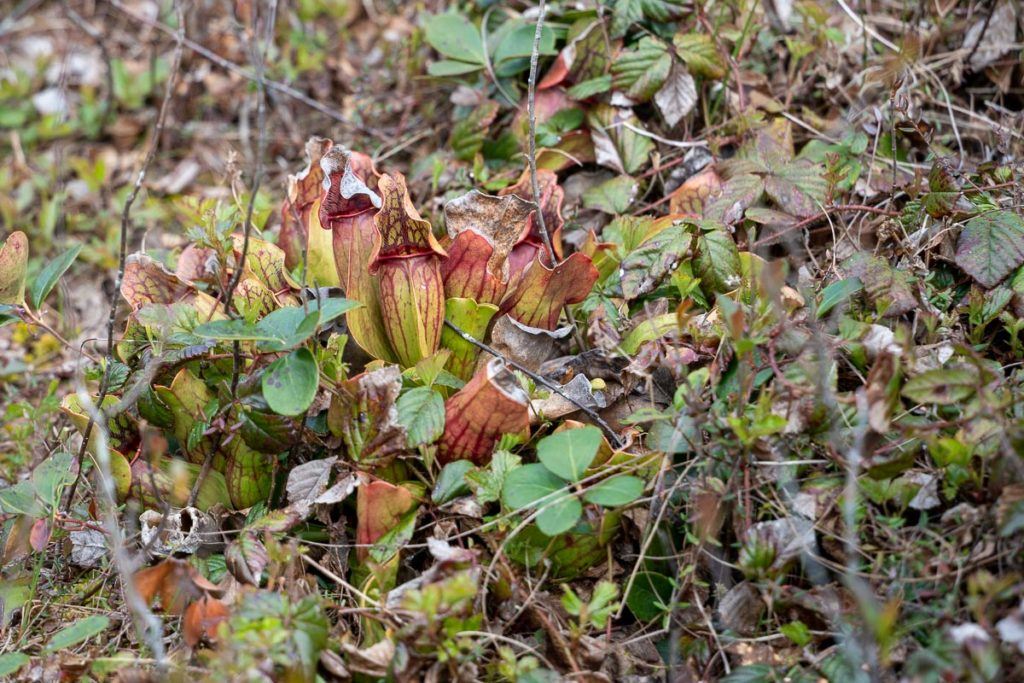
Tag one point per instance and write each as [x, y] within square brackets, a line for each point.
[512, 48]
[751, 673]
[20, 499]
[700, 54]
[50, 274]
[290, 383]
[641, 72]
[991, 246]
[796, 631]
[559, 516]
[569, 453]
[629, 12]
[650, 595]
[613, 196]
[590, 87]
[488, 482]
[52, 475]
[645, 267]
[620, 490]
[942, 386]
[12, 662]
[279, 330]
[448, 67]
[717, 263]
[528, 484]
[837, 293]
[468, 134]
[451, 482]
[453, 35]
[81, 630]
[421, 412]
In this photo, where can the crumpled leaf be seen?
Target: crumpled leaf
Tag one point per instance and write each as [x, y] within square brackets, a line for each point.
[408, 263]
[531, 242]
[491, 405]
[364, 415]
[527, 346]
[543, 292]
[884, 284]
[202, 619]
[677, 96]
[13, 268]
[310, 479]
[88, 547]
[991, 246]
[348, 209]
[175, 582]
[485, 231]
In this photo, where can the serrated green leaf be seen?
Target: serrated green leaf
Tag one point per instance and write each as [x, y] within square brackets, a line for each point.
[700, 54]
[421, 412]
[991, 246]
[639, 73]
[590, 87]
[717, 262]
[613, 196]
[569, 453]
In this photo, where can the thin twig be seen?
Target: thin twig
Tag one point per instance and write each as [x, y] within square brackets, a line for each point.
[126, 229]
[540, 379]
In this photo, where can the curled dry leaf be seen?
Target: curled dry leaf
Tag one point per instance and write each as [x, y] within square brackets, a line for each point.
[202, 619]
[491, 405]
[528, 346]
[531, 241]
[175, 582]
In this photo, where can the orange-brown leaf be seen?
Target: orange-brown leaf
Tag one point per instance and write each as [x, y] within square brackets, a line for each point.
[201, 620]
[379, 507]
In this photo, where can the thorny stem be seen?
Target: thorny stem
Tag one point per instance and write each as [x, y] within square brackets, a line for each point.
[540, 379]
[126, 226]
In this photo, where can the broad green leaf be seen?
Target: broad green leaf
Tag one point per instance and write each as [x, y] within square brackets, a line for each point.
[421, 412]
[559, 516]
[453, 35]
[941, 386]
[20, 499]
[512, 49]
[525, 485]
[279, 330]
[613, 196]
[837, 293]
[717, 263]
[650, 595]
[619, 490]
[569, 453]
[991, 246]
[52, 475]
[590, 87]
[50, 274]
[641, 72]
[81, 630]
[751, 673]
[451, 482]
[12, 662]
[700, 54]
[290, 383]
[449, 67]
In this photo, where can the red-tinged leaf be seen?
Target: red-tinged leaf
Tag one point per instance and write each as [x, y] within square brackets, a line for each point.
[543, 292]
[465, 272]
[408, 264]
[265, 262]
[485, 230]
[364, 415]
[171, 581]
[147, 282]
[491, 405]
[196, 263]
[39, 536]
[304, 190]
[202, 619]
[531, 241]
[13, 268]
[693, 195]
[246, 558]
[348, 209]
[379, 507]
[249, 474]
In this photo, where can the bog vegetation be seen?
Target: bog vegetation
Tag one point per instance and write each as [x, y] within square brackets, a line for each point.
[606, 341]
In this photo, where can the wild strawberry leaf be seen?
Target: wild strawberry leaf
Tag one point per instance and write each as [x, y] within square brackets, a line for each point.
[991, 246]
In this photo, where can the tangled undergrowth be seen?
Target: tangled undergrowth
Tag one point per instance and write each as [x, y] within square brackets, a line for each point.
[626, 341]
